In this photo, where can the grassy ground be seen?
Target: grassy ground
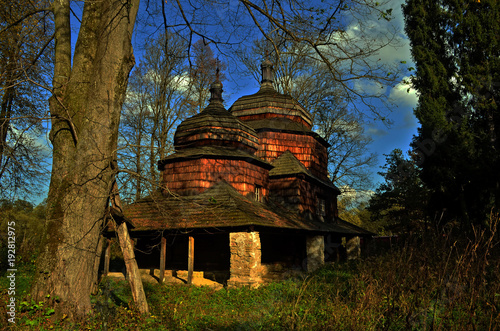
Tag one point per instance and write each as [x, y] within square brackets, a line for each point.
[425, 284]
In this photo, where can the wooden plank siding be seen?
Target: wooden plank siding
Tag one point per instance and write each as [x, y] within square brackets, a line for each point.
[195, 176]
[303, 196]
[311, 153]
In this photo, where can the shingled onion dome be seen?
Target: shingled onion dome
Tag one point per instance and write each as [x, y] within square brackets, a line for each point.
[267, 103]
[215, 126]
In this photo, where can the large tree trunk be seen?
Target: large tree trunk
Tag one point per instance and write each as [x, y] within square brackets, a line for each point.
[85, 108]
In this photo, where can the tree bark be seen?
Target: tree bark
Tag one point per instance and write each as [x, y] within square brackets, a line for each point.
[5, 114]
[85, 109]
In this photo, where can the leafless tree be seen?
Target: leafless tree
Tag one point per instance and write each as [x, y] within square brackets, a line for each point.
[25, 67]
[203, 71]
[159, 97]
[345, 35]
[89, 86]
[307, 80]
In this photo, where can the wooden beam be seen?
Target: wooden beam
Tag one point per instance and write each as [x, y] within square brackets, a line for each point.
[127, 247]
[190, 260]
[107, 256]
[163, 251]
[133, 274]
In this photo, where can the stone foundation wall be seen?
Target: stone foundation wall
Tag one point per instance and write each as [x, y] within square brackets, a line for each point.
[353, 247]
[315, 247]
[245, 259]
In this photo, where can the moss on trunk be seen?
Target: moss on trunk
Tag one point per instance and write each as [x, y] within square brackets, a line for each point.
[86, 108]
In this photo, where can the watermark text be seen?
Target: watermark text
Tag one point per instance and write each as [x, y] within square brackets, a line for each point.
[11, 271]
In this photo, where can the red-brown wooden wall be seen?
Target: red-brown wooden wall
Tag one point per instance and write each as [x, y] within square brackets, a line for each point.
[303, 195]
[195, 176]
[305, 148]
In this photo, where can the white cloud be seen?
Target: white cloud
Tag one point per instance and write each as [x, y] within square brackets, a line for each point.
[28, 138]
[401, 52]
[396, 54]
[403, 94]
[366, 36]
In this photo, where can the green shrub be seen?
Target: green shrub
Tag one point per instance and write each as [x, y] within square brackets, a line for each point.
[431, 282]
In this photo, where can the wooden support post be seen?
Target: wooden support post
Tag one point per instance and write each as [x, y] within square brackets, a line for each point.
[190, 260]
[127, 247]
[163, 251]
[95, 269]
[133, 274]
[107, 256]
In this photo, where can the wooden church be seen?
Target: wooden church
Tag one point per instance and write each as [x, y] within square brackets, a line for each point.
[245, 193]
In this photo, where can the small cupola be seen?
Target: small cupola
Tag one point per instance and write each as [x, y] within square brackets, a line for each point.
[268, 105]
[215, 126]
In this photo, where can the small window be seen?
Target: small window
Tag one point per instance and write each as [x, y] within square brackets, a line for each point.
[258, 193]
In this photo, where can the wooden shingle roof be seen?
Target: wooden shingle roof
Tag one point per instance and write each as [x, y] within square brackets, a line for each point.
[287, 165]
[221, 207]
[268, 100]
[214, 124]
[211, 152]
[279, 124]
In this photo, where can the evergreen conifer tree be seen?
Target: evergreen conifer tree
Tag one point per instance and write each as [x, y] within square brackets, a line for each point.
[455, 49]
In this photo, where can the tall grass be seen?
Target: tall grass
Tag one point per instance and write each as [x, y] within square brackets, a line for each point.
[440, 282]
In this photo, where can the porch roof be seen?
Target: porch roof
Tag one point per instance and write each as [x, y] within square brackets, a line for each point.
[221, 206]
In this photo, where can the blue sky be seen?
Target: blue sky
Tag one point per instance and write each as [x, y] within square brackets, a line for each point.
[400, 133]
[385, 138]
[222, 18]
[401, 97]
